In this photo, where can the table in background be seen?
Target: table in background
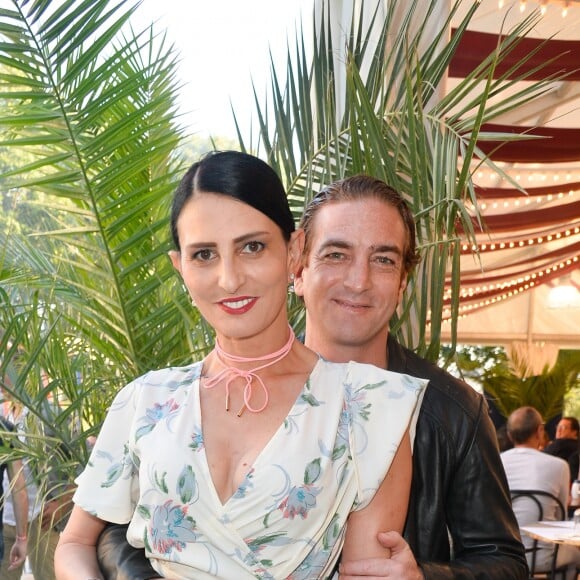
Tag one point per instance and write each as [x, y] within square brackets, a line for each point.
[554, 532]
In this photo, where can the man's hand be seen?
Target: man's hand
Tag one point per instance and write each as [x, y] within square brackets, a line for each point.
[401, 565]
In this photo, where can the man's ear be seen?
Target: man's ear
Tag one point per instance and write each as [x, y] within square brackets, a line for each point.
[402, 286]
[295, 249]
[175, 258]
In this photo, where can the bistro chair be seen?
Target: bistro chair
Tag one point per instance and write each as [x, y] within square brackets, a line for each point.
[534, 495]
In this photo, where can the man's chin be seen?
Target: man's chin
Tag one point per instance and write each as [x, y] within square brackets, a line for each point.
[355, 339]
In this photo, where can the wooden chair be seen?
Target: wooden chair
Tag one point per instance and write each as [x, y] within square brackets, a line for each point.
[534, 495]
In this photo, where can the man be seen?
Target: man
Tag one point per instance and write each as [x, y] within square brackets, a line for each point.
[359, 248]
[527, 467]
[565, 445]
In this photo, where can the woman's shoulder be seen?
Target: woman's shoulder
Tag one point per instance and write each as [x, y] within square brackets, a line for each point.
[371, 376]
[169, 378]
[173, 374]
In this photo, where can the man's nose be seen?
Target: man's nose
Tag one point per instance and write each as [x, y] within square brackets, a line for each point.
[358, 275]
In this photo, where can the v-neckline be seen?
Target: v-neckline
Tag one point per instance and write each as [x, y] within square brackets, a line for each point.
[205, 463]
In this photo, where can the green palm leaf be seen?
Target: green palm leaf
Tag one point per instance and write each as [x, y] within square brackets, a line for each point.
[89, 298]
[381, 113]
[98, 130]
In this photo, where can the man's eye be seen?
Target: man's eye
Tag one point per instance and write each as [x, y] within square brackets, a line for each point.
[203, 255]
[253, 247]
[385, 260]
[334, 256]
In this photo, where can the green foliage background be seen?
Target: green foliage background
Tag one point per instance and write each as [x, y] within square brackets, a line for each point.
[90, 152]
[554, 392]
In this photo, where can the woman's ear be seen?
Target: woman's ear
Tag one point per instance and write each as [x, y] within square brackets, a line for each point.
[295, 249]
[175, 258]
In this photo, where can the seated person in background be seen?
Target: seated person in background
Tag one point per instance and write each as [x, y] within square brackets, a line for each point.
[565, 445]
[20, 502]
[528, 468]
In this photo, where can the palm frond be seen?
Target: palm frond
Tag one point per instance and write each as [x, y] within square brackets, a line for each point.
[102, 107]
[375, 105]
[89, 298]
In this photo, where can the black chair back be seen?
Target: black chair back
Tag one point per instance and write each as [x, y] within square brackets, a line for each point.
[535, 495]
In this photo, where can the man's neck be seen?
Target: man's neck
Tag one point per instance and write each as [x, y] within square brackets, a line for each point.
[528, 445]
[374, 355]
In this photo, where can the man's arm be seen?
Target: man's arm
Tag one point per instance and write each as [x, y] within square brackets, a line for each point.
[401, 565]
[118, 559]
[480, 521]
[459, 484]
[485, 535]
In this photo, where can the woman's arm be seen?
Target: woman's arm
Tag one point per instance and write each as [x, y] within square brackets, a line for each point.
[20, 503]
[386, 511]
[75, 557]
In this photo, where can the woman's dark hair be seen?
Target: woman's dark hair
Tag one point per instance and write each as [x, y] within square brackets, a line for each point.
[239, 176]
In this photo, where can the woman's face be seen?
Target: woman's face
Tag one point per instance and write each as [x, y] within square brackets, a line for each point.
[235, 264]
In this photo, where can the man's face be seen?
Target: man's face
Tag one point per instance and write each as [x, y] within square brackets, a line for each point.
[353, 278]
[564, 430]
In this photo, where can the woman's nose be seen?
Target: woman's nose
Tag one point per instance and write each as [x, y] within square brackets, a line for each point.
[231, 275]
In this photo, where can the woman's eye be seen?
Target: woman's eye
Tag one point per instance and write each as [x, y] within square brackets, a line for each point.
[253, 247]
[203, 255]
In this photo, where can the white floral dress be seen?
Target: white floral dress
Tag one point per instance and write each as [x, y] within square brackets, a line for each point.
[287, 518]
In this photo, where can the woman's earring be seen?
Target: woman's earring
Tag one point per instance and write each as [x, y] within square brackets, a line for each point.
[291, 284]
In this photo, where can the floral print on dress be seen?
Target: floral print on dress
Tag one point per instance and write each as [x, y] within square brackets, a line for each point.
[257, 545]
[170, 528]
[313, 565]
[156, 414]
[123, 468]
[286, 518]
[187, 488]
[197, 440]
[245, 486]
[306, 400]
[302, 498]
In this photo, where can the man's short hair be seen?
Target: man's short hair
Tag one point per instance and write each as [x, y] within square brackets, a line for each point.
[363, 187]
[523, 423]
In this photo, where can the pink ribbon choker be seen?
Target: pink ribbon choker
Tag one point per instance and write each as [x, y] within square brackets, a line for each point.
[231, 373]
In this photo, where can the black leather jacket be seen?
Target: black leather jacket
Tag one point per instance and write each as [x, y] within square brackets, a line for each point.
[459, 490]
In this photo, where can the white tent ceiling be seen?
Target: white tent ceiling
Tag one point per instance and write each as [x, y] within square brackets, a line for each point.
[508, 291]
[531, 243]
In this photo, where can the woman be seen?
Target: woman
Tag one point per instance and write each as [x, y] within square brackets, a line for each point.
[246, 464]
